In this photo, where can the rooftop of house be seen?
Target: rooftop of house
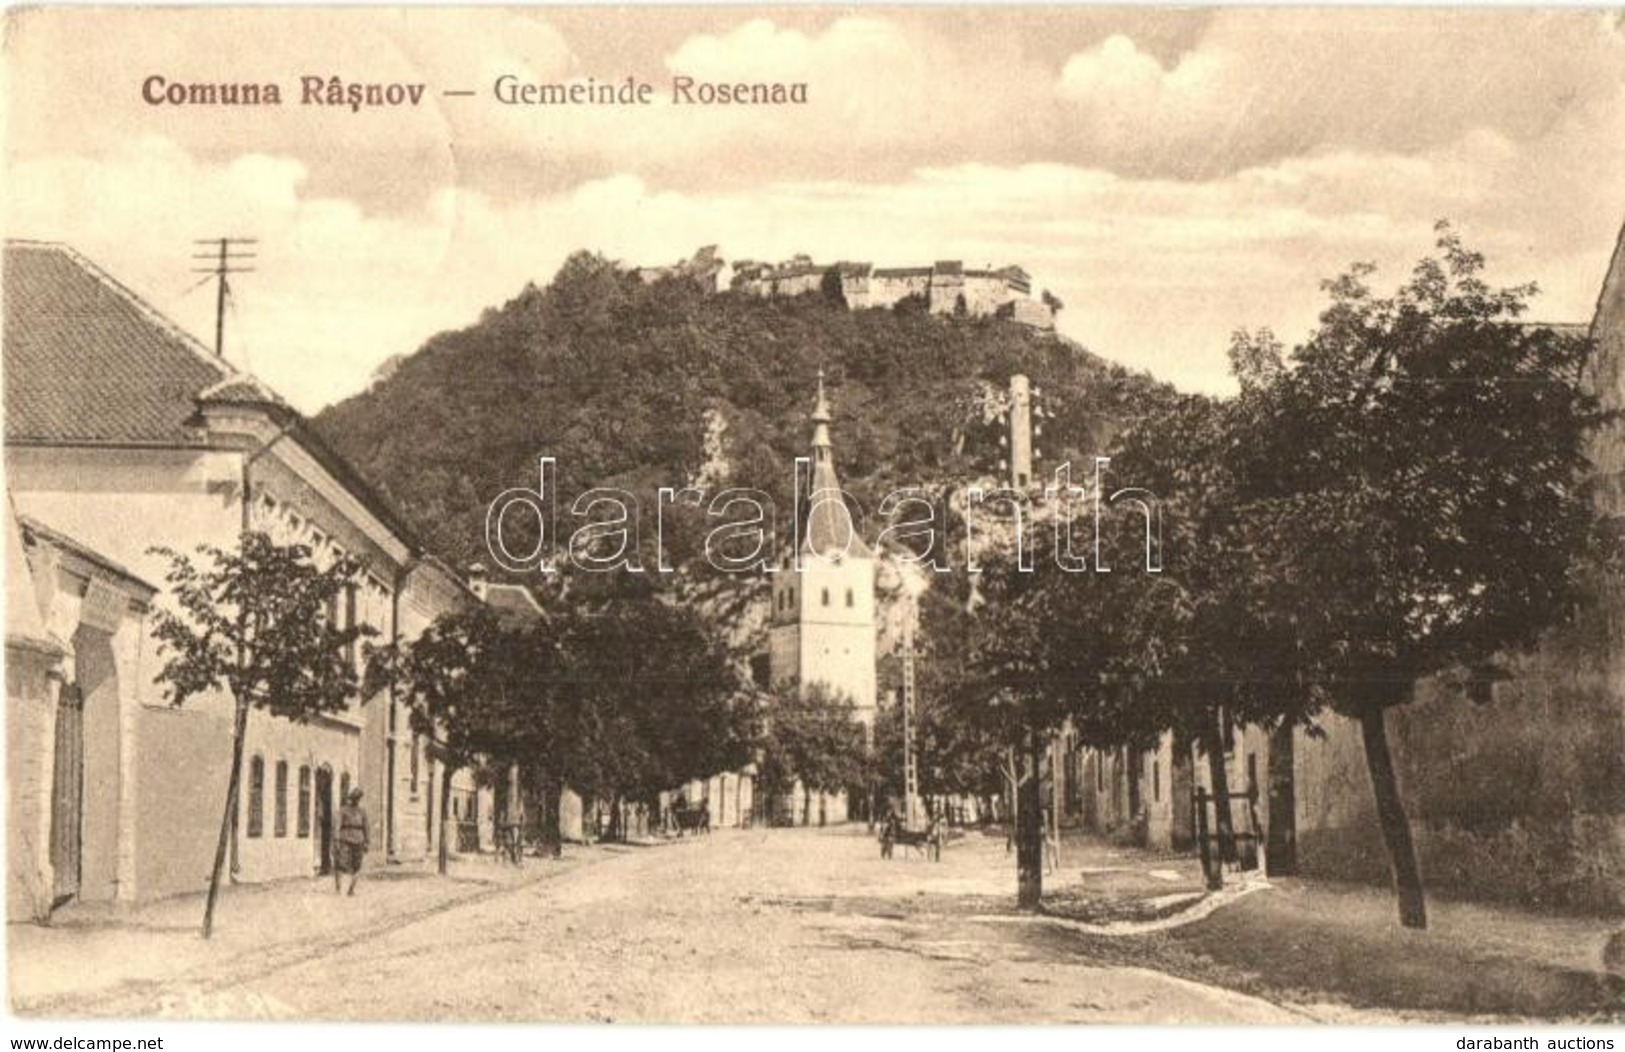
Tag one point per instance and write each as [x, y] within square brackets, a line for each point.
[512, 600]
[88, 362]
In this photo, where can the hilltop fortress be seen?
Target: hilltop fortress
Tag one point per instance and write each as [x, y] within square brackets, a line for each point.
[945, 287]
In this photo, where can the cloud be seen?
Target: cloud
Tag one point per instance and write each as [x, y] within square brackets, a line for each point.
[1259, 86]
[1122, 73]
[1155, 272]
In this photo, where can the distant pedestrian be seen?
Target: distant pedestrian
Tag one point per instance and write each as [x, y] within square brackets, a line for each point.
[353, 840]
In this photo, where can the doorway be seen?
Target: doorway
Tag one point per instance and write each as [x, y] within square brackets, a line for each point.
[324, 819]
[68, 795]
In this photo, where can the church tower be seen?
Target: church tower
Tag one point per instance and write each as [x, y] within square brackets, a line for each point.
[823, 623]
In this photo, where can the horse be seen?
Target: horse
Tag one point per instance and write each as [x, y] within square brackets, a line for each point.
[693, 819]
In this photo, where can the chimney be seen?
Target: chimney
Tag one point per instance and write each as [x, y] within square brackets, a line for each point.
[478, 579]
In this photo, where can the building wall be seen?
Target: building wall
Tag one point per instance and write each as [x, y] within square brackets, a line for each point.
[270, 856]
[1521, 799]
[947, 292]
[837, 630]
[156, 775]
[887, 289]
[32, 684]
[1031, 312]
[986, 293]
[1518, 800]
[97, 677]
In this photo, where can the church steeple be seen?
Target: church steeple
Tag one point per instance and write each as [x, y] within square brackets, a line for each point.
[822, 449]
[830, 530]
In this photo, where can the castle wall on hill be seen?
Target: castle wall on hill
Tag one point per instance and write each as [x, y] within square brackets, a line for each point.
[945, 287]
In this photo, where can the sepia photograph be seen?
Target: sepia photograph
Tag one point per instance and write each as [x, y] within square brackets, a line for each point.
[743, 515]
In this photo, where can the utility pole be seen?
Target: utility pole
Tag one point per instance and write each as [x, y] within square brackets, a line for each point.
[911, 770]
[224, 255]
[1021, 414]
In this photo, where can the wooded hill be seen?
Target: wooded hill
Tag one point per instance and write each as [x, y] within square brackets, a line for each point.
[626, 383]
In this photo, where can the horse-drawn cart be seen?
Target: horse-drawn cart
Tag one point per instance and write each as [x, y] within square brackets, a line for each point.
[927, 841]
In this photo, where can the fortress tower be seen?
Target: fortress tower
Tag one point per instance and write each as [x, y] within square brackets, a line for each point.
[823, 623]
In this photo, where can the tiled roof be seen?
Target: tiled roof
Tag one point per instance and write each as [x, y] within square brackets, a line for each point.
[86, 360]
[831, 531]
[242, 389]
[512, 601]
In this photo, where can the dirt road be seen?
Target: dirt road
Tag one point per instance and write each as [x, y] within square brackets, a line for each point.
[782, 926]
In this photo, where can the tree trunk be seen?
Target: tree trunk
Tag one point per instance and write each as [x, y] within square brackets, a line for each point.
[1281, 855]
[443, 863]
[552, 816]
[617, 820]
[1396, 829]
[806, 804]
[1030, 832]
[1213, 742]
[1136, 796]
[228, 821]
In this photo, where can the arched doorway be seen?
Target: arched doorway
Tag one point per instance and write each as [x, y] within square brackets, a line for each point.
[324, 819]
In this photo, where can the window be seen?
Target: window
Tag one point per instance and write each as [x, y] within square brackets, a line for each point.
[1156, 781]
[1252, 772]
[849, 598]
[256, 796]
[279, 821]
[304, 801]
[826, 597]
[344, 788]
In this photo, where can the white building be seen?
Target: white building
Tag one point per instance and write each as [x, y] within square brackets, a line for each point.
[823, 618]
[122, 434]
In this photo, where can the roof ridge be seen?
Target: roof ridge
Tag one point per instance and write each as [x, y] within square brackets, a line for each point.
[133, 298]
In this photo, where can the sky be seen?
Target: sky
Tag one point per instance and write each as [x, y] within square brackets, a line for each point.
[1171, 175]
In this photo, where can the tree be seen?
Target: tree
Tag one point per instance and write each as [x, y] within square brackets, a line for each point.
[1207, 644]
[261, 623]
[467, 680]
[1420, 465]
[656, 698]
[813, 736]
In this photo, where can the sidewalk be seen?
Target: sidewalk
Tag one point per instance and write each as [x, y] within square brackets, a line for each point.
[1314, 941]
[122, 951]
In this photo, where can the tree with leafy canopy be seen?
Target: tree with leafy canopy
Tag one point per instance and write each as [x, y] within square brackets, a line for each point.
[261, 623]
[1419, 465]
[659, 699]
[1208, 643]
[812, 736]
[469, 681]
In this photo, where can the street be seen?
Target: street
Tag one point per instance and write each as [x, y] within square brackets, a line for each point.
[781, 926]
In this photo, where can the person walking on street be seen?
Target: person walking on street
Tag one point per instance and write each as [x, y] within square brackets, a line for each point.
[353, 840]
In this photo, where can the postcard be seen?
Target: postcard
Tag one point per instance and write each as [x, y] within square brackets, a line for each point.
[735, 515]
